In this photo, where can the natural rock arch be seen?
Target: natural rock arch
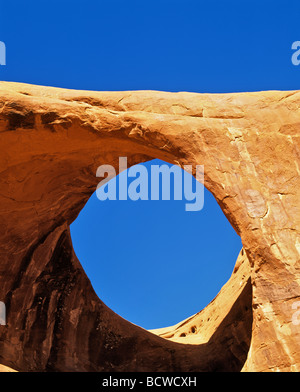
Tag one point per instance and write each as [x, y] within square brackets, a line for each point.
[53, 140]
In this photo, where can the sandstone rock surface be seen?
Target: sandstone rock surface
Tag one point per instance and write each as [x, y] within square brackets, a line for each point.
[52, 141]
[6, 369]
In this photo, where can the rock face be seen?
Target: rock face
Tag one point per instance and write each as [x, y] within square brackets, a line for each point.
[53, 140]
[6, 369]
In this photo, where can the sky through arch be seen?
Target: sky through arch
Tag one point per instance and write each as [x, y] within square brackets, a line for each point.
[153, 262]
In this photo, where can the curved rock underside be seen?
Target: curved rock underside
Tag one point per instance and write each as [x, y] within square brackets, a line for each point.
[53, 140]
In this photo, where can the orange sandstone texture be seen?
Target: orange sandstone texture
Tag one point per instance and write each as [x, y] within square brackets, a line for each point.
[6, 369]
[52, 141]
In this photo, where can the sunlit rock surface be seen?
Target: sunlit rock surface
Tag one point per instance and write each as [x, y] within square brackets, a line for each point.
[52, 141]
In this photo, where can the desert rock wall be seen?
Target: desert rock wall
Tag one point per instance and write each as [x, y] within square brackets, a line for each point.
[52, 141]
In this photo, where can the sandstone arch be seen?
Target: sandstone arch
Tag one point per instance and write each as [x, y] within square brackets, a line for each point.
[52, 141]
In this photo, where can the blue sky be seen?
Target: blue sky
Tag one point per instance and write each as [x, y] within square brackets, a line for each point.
[152, 262]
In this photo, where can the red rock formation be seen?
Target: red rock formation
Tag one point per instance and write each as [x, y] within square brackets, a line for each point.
[53, 140]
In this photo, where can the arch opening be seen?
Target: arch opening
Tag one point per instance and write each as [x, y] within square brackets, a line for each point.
[154, 263]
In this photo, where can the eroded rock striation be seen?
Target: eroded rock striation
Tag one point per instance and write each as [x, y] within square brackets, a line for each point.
[52, 141]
